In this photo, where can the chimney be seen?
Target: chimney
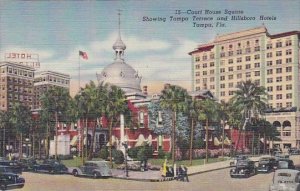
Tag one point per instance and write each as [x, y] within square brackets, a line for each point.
[145, 91]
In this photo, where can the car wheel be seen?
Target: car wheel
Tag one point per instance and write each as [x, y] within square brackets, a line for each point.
[3, 186]
[96, 175]
[75, 173]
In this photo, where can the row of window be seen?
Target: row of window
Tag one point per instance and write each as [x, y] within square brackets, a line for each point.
[50, 78]
[279, 53]
[280, 96]
[16, 71]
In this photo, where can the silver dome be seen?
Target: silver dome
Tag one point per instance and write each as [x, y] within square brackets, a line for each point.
[122, 75]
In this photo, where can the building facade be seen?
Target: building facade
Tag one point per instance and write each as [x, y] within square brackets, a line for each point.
[268, 60]
[16, 84]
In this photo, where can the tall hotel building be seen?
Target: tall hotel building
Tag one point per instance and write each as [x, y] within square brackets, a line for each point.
[43, 80]
[16, 85]
[268, 60]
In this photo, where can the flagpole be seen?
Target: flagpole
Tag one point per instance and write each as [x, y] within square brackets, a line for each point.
[78, 72]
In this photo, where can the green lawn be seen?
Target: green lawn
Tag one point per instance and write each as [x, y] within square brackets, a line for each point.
[77, 161]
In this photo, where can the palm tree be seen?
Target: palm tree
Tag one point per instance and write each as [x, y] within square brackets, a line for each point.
[176, 99]
[4, 123]
[56, 101]
[115, 104]
[250, 100]
[223, 114]
[21, 121]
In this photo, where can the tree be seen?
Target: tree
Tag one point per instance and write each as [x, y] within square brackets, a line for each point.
[223, 111]
[56, 101]
[176, 99]
[4, 124]
[250, 100]
[21, 122]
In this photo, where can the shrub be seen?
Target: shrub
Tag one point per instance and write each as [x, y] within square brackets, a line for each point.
[104, 153]
[168, 155]
[132, 152]
[161, 153]
[118, 156]
[65, 157]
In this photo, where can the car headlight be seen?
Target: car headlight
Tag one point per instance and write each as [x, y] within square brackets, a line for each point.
[242, 171]
[263, 166]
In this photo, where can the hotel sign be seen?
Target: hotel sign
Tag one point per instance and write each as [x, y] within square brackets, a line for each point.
[26, 59]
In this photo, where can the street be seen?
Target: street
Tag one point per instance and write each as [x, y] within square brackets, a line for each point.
[211, 181]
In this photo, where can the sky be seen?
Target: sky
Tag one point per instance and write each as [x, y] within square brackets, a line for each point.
[158, 50]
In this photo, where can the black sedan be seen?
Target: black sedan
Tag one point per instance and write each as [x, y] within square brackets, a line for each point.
[243, 169]
[285, 164]
[15, 166]
[50, 166]
[11, 181]
[266, 164]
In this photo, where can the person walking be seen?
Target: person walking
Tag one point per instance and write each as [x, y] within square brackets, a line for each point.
[183, 173]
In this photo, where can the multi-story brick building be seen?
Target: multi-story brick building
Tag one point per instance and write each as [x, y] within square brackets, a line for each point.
[268, 60]
[16, 84]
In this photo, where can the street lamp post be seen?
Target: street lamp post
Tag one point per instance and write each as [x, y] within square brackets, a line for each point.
[27, 145]
[126, 165]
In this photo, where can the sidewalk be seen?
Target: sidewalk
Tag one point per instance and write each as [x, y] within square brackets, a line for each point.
[155, 176]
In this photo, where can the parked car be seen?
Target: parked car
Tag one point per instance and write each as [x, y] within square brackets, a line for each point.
[285, 180]
[11, 181]
[234, 160]
[51, 166]
[285, 164]
[266, 164]
[243, 168]
[15, 166]
[94, 169]
[27, 164]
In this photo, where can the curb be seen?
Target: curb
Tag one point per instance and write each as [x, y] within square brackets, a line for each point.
[146, 180]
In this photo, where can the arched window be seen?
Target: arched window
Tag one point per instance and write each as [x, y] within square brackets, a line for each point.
[286, 128]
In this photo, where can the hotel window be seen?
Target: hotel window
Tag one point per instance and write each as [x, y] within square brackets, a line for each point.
[230, 61]
[278, 70]
[269, 46]
[238, 60]
[248, 58]
[212, 87]
[197, 59]
[197, 73]
[222, 70]
[230, 53]
[211, 56]
[248, 66]
[141, 119]
[198, 81]
[248, 74]
[269, 63]
[211, 71]
[239, 76]
[198, 66]
[239, 44]
[288, 43]
[230, 69]
[288, 60]
[204, 57]
[222, 85]
[257, 48]
[248, 43]
[257, 65]
[204, 80]
[197, 88]
[212, 64]
[288, 87]
[288, 52]
[222, 62]
[270, 89]
[256, 57]
[278, 96]
[257, 73]
[279, 79]
[230, 77]
[239, 68]
[230, 85]
[204, 73]
[288, 78]
[288, 69]
[278, 88]
[289, 104]
[204, 65]
[222, 78]
[230, 93]
[230, 46]
[279, 105]
[222, 54]
[212, 79]
[257, 82]
[289, 96]
[238, 52]
[278, 53]
[223, 93]
[269, 55]
[270, 97]
[248, 50]
[278, 44]
[269, 80]
[279, 61]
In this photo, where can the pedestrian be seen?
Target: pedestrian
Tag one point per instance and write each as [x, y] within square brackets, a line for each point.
[183, 173]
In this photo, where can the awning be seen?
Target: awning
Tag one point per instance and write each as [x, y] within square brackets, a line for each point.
[140, 141]
[74, 140]
[216, 141]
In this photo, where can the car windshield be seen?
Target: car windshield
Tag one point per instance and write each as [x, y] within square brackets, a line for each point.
[242, 163]
[283, 164]
[264, 161]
